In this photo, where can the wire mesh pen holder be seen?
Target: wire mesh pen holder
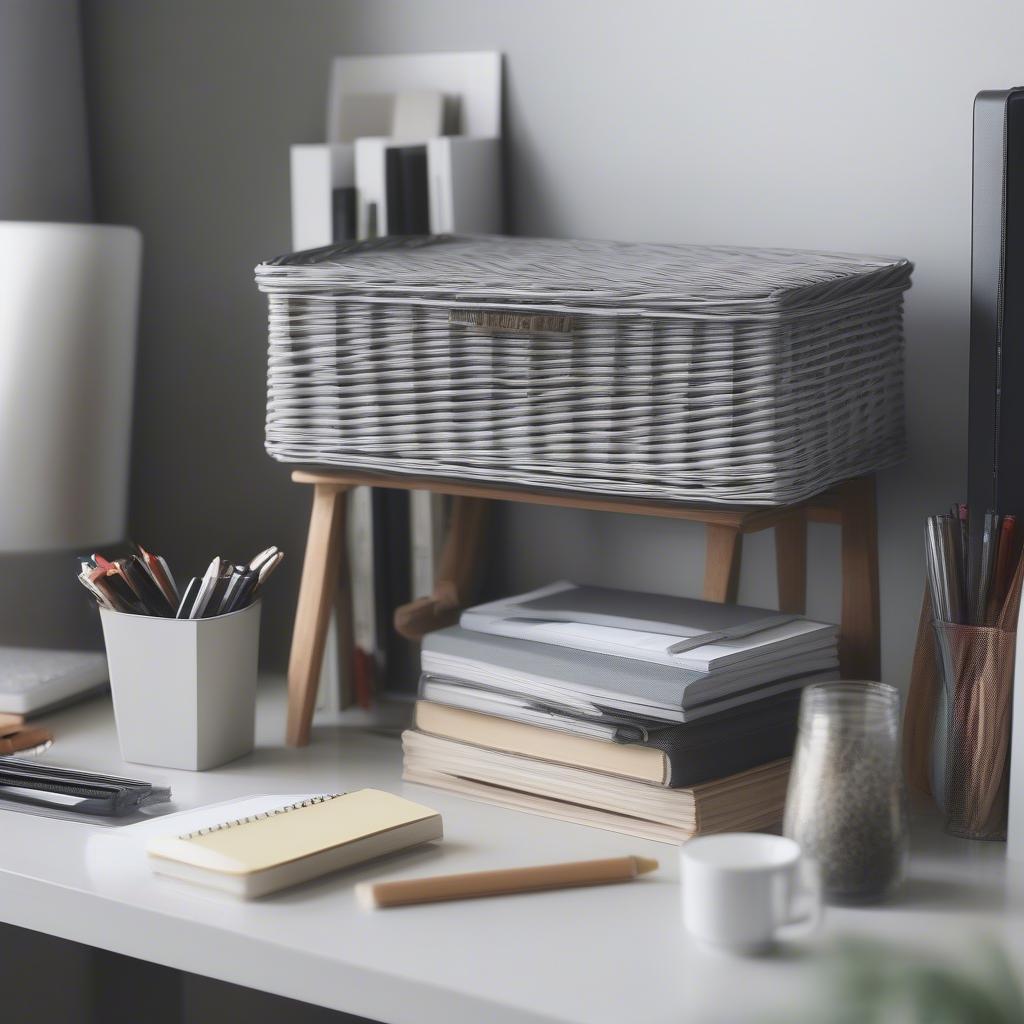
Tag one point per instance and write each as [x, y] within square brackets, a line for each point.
[973, 720]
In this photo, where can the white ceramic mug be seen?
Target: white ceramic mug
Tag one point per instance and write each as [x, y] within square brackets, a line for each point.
[741, 891]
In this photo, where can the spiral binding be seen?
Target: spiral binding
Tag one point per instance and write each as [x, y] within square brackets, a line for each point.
[263, 814]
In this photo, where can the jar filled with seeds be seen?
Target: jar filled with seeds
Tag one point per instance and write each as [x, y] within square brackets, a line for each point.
[846, 805]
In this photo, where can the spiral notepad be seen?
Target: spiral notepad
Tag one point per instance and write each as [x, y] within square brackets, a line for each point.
[264, 852]
[252, 818]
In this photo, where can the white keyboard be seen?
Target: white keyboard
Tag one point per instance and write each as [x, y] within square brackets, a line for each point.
[32, 679]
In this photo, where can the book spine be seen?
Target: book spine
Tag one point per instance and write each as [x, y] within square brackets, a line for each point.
[364, 616]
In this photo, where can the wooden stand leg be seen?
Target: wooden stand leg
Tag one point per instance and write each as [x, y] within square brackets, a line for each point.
[722, 563]
[860, 649]
[316, 600]
[791, 563]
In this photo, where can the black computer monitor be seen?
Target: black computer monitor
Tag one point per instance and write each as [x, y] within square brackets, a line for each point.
[995, 478]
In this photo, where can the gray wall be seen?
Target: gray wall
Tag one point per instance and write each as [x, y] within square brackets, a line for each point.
[44, 175]
[834, 126]
[44, 162]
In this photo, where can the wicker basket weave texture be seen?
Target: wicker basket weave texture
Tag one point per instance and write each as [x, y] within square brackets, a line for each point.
[688, 373]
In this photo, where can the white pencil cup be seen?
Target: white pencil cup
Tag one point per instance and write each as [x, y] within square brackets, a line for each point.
[184, 689]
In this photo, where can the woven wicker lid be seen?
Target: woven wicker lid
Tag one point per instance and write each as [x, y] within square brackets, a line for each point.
[564, 273]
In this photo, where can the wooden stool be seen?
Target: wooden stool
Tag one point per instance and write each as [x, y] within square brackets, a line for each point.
[850, 505]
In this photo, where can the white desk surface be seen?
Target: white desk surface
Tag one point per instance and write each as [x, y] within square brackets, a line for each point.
[610, 954]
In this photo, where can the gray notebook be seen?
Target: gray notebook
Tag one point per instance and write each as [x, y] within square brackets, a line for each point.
[678, 632]
[631, 609]
[589, 683]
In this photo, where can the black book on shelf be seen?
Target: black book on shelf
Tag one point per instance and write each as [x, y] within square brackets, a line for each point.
[405, 186]
[415, 212]
[397, 668]
[343, 214]
[394, 192]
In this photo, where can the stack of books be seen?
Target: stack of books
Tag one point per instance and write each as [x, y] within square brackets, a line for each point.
[656, 716]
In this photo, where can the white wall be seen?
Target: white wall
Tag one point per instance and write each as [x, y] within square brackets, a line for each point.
[805, 123]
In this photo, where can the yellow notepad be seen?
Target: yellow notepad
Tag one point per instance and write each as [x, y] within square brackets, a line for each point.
[291, 844]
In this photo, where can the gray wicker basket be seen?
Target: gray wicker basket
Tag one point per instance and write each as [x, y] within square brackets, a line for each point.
[705, 374]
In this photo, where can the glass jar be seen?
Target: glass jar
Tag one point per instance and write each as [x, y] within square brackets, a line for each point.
[846, 804]
[973, 720]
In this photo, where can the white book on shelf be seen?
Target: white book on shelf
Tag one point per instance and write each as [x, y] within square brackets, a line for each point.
[418, 114]
[360, 550]
[333, 674]
[426, 527]
[470, 83]
[464, 185]
[355, 114]
[316, 171]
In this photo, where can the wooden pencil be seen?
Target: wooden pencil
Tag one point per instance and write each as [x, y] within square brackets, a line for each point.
[499, 883]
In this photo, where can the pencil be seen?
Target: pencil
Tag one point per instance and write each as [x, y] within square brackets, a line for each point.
[988, 546]
[501, 883]
[1004, 567]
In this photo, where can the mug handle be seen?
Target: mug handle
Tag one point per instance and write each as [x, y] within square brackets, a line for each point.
[804, 913]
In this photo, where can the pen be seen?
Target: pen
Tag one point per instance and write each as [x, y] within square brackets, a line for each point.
[953, 559]
[115, 586]
[1000, 567]
[142, 584]
[963, 514]
[937, 569]
[985, 569]
[153, 599]
[268, 567]
[238, 589]
[188, 598]
[160, 574]
[220, 588]
[248, 590]
[264, 556]
[206, 589]
[167, 574]
[500, 883]
[101, 598]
